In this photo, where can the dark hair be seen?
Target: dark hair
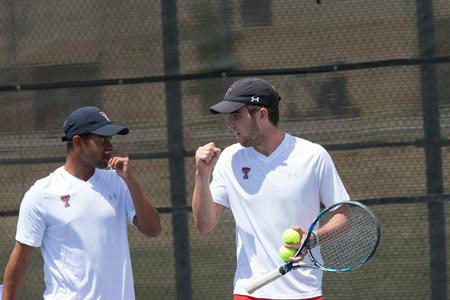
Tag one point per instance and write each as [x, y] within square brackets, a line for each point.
[69, 145]
[274, 115]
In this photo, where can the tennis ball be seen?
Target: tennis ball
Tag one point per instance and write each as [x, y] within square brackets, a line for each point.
[286, 253]
[291, 236]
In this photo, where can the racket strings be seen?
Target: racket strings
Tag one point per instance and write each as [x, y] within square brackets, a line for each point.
[348, 245]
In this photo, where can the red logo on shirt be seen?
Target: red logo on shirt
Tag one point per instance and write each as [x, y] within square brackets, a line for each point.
[65, 199]
[245, 171]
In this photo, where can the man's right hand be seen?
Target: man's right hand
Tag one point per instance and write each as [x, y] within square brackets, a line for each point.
[16, 269]
[206, 158]
[206, 212]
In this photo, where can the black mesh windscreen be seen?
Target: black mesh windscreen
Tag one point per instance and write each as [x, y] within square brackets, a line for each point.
[368, 80]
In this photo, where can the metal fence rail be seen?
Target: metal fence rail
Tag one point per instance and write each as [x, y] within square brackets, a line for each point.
[366, 79]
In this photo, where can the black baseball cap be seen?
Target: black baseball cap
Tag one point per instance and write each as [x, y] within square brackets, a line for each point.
[90, 119]
[254, 91]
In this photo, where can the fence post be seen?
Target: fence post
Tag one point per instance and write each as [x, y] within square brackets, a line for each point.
[174, 117]
[433, 158]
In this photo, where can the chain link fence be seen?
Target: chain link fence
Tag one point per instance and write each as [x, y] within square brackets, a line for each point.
[369, 80]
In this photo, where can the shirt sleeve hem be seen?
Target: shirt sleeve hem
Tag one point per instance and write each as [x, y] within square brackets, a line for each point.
[28, 242]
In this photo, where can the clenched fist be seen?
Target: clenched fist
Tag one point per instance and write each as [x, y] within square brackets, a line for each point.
[206, 157]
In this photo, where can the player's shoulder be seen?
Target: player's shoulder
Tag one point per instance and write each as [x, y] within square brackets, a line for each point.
[105, 173]
[106, 176]
[308, 151]
[306, 146]
[232, 149]
[45, 185]
[52, 179]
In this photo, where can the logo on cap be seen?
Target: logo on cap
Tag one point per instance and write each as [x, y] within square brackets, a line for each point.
[103, 114]
[254, 99]
[230, 89]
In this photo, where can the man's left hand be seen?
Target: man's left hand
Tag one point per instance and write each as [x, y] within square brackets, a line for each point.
[120, 163]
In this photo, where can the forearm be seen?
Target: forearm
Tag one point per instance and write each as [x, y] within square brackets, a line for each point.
[327, 232]
[14, 274]
[147, 217]
[337, 222]
[206, 213]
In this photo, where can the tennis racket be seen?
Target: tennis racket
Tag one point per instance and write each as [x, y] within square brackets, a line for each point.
[342, 238]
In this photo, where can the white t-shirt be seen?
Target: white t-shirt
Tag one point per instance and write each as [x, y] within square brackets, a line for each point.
[81, 228]
[268, 194]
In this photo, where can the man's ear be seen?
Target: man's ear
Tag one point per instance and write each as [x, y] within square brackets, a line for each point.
[76, 140]
[263, 113]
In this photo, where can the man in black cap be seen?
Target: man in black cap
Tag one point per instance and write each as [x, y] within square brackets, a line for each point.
[270, 181]
[78, 215]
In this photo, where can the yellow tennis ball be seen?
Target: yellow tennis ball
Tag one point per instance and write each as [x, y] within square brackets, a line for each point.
[291, 236]
[286, 253]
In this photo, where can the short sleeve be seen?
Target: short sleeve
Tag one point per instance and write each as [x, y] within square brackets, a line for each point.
[31, 222]
[331, 188]
[129, 205]
[217, 186]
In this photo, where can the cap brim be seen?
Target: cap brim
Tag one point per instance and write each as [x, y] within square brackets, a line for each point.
[226, 107]
[109, 130]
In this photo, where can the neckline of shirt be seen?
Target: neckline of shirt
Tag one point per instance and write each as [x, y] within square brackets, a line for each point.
[275, 153]
[67, 175]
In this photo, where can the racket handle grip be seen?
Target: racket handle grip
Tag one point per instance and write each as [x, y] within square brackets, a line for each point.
[266, 279]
